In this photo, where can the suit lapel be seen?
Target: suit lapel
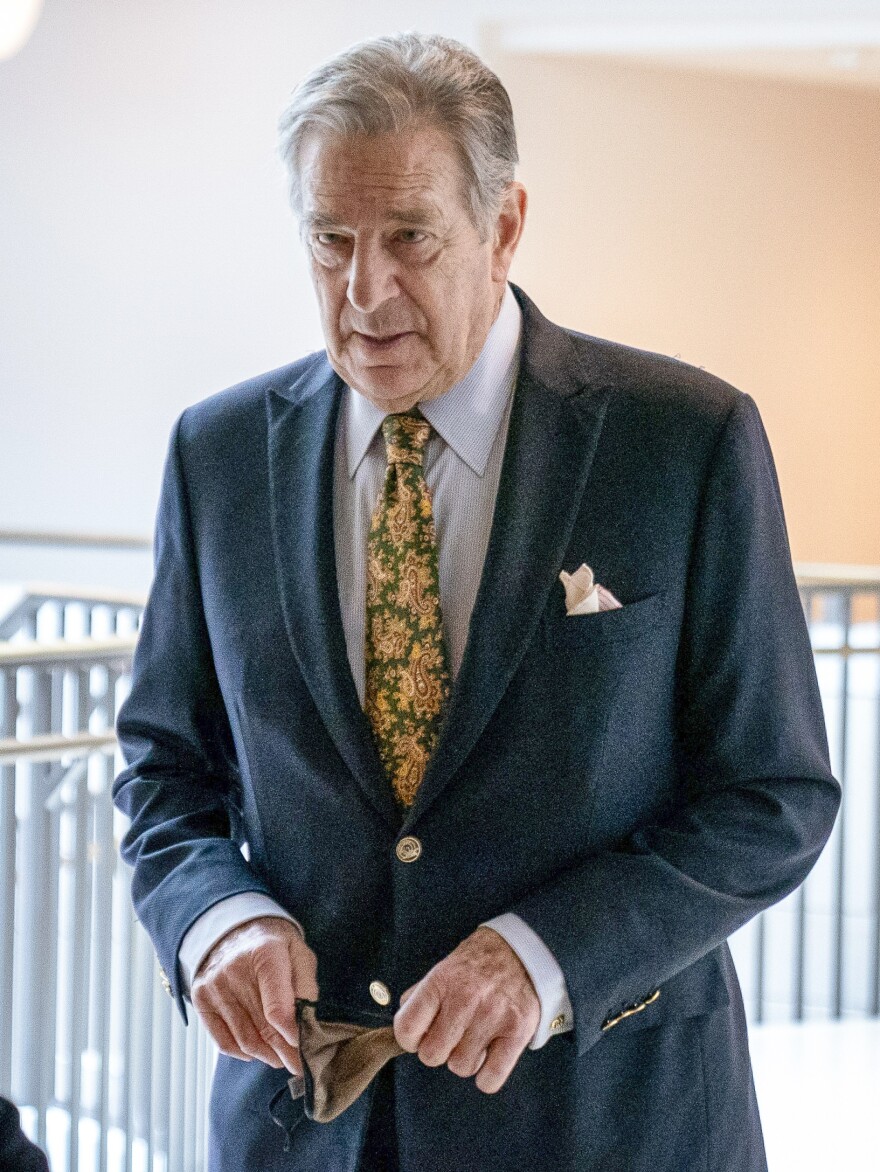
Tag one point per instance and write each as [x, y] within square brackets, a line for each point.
[302, 430]
[554, 428]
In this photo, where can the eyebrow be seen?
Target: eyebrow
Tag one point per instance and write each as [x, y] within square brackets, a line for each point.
[413, 217]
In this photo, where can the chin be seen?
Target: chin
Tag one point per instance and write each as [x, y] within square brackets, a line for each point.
[388, 387]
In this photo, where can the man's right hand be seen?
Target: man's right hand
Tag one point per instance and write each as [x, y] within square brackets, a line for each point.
[246, 988]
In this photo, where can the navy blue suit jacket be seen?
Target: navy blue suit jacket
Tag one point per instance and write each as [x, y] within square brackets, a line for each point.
[17, 1153]
[635, 784]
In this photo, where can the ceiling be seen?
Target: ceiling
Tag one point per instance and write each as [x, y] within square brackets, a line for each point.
[831, 52]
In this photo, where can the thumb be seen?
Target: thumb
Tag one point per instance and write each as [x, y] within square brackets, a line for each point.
[406, 994]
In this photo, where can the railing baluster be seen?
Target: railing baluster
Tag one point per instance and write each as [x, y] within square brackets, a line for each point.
[79, 953]
[800, 948]
[36, 1011]
[161, 1057]
[144, 980]
[176, 1094]
[191, 1099]
[840, 874]
[760, 967]
[201, 1097]
[874, 952]
[46, 985]
[8, 713]
[99, 1013]
[800, 952]
[129, 1004]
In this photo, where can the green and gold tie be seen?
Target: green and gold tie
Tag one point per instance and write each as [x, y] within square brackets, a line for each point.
[407, 669]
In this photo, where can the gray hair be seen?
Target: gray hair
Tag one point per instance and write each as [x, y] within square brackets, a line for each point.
[391, 83]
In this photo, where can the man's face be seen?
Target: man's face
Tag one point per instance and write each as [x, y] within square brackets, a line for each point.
[406, 288]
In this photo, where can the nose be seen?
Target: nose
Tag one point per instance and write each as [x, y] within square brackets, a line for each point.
[371, 276]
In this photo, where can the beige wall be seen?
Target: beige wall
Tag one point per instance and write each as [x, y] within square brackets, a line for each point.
[733, 222]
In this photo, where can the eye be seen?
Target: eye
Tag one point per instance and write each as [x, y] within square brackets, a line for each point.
[411, 236]
[328, 239]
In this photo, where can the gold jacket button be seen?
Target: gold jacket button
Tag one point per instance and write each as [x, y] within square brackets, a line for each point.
[380, 992]
[409, 849]
[557, 1024]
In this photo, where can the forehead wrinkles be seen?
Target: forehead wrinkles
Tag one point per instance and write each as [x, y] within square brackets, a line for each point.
[405, 202]
[340, 181]
[417, 167]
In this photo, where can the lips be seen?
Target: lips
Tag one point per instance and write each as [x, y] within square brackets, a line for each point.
[377, 344]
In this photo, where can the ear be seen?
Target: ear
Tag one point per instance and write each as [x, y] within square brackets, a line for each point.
[508, 229]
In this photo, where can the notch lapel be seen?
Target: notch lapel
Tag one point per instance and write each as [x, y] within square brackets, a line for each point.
[554, 428]
[302, 432]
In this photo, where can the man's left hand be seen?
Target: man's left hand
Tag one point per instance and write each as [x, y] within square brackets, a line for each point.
[475, 1011]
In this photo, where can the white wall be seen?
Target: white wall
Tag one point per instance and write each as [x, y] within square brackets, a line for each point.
[148, 258]
[733, 221]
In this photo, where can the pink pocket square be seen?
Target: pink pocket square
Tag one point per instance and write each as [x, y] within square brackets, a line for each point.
[583, 595]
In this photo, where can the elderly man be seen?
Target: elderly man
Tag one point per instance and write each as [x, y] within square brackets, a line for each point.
[483, 636]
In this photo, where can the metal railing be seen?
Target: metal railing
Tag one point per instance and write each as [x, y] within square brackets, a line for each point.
[108, 1077]
[817, 953]
[54, 537]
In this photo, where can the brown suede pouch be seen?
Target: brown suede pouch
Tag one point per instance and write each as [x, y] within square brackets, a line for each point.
[340, 1060]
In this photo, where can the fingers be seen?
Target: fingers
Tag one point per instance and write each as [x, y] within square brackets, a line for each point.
[461, 1030]
[453, 1018]
[501, 1057]
[465, 1067]
[484, 1033]
[414, 1018]
[219, 1031]
[475, 1011]
[470, 1052]
[246, 990]
[233, 1018]
[246, 1033]
[281, 975]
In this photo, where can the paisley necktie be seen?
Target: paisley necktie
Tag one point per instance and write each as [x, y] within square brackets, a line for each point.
[407, 668]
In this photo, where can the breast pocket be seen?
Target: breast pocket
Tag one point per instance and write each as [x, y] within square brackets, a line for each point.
[592, 657]
[633, 620]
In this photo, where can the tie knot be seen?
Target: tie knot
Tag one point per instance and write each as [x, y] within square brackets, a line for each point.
[405, 438]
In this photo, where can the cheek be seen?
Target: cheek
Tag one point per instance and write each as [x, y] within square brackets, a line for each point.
[456, 313]
[443, 301]
[330, 303]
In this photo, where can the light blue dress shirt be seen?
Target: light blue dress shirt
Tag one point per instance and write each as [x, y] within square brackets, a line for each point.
[462, 465]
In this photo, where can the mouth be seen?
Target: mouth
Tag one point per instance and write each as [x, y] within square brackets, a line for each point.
[382, 343]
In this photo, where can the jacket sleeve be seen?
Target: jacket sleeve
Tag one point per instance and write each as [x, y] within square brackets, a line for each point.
[756, 797]
[17, 1153]
[181, 784]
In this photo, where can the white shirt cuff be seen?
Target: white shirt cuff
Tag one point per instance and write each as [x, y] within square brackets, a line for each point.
[547, 977]
[229, 913]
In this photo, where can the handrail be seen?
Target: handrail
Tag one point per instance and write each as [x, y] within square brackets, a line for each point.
[95, 595]
[80, 540]
[55, 747]
[822, 574]
[106, 652]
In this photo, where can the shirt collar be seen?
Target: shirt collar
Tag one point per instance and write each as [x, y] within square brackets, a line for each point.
[469, 414]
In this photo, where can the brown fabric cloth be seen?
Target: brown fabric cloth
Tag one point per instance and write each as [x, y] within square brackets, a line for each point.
[341, 1059]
